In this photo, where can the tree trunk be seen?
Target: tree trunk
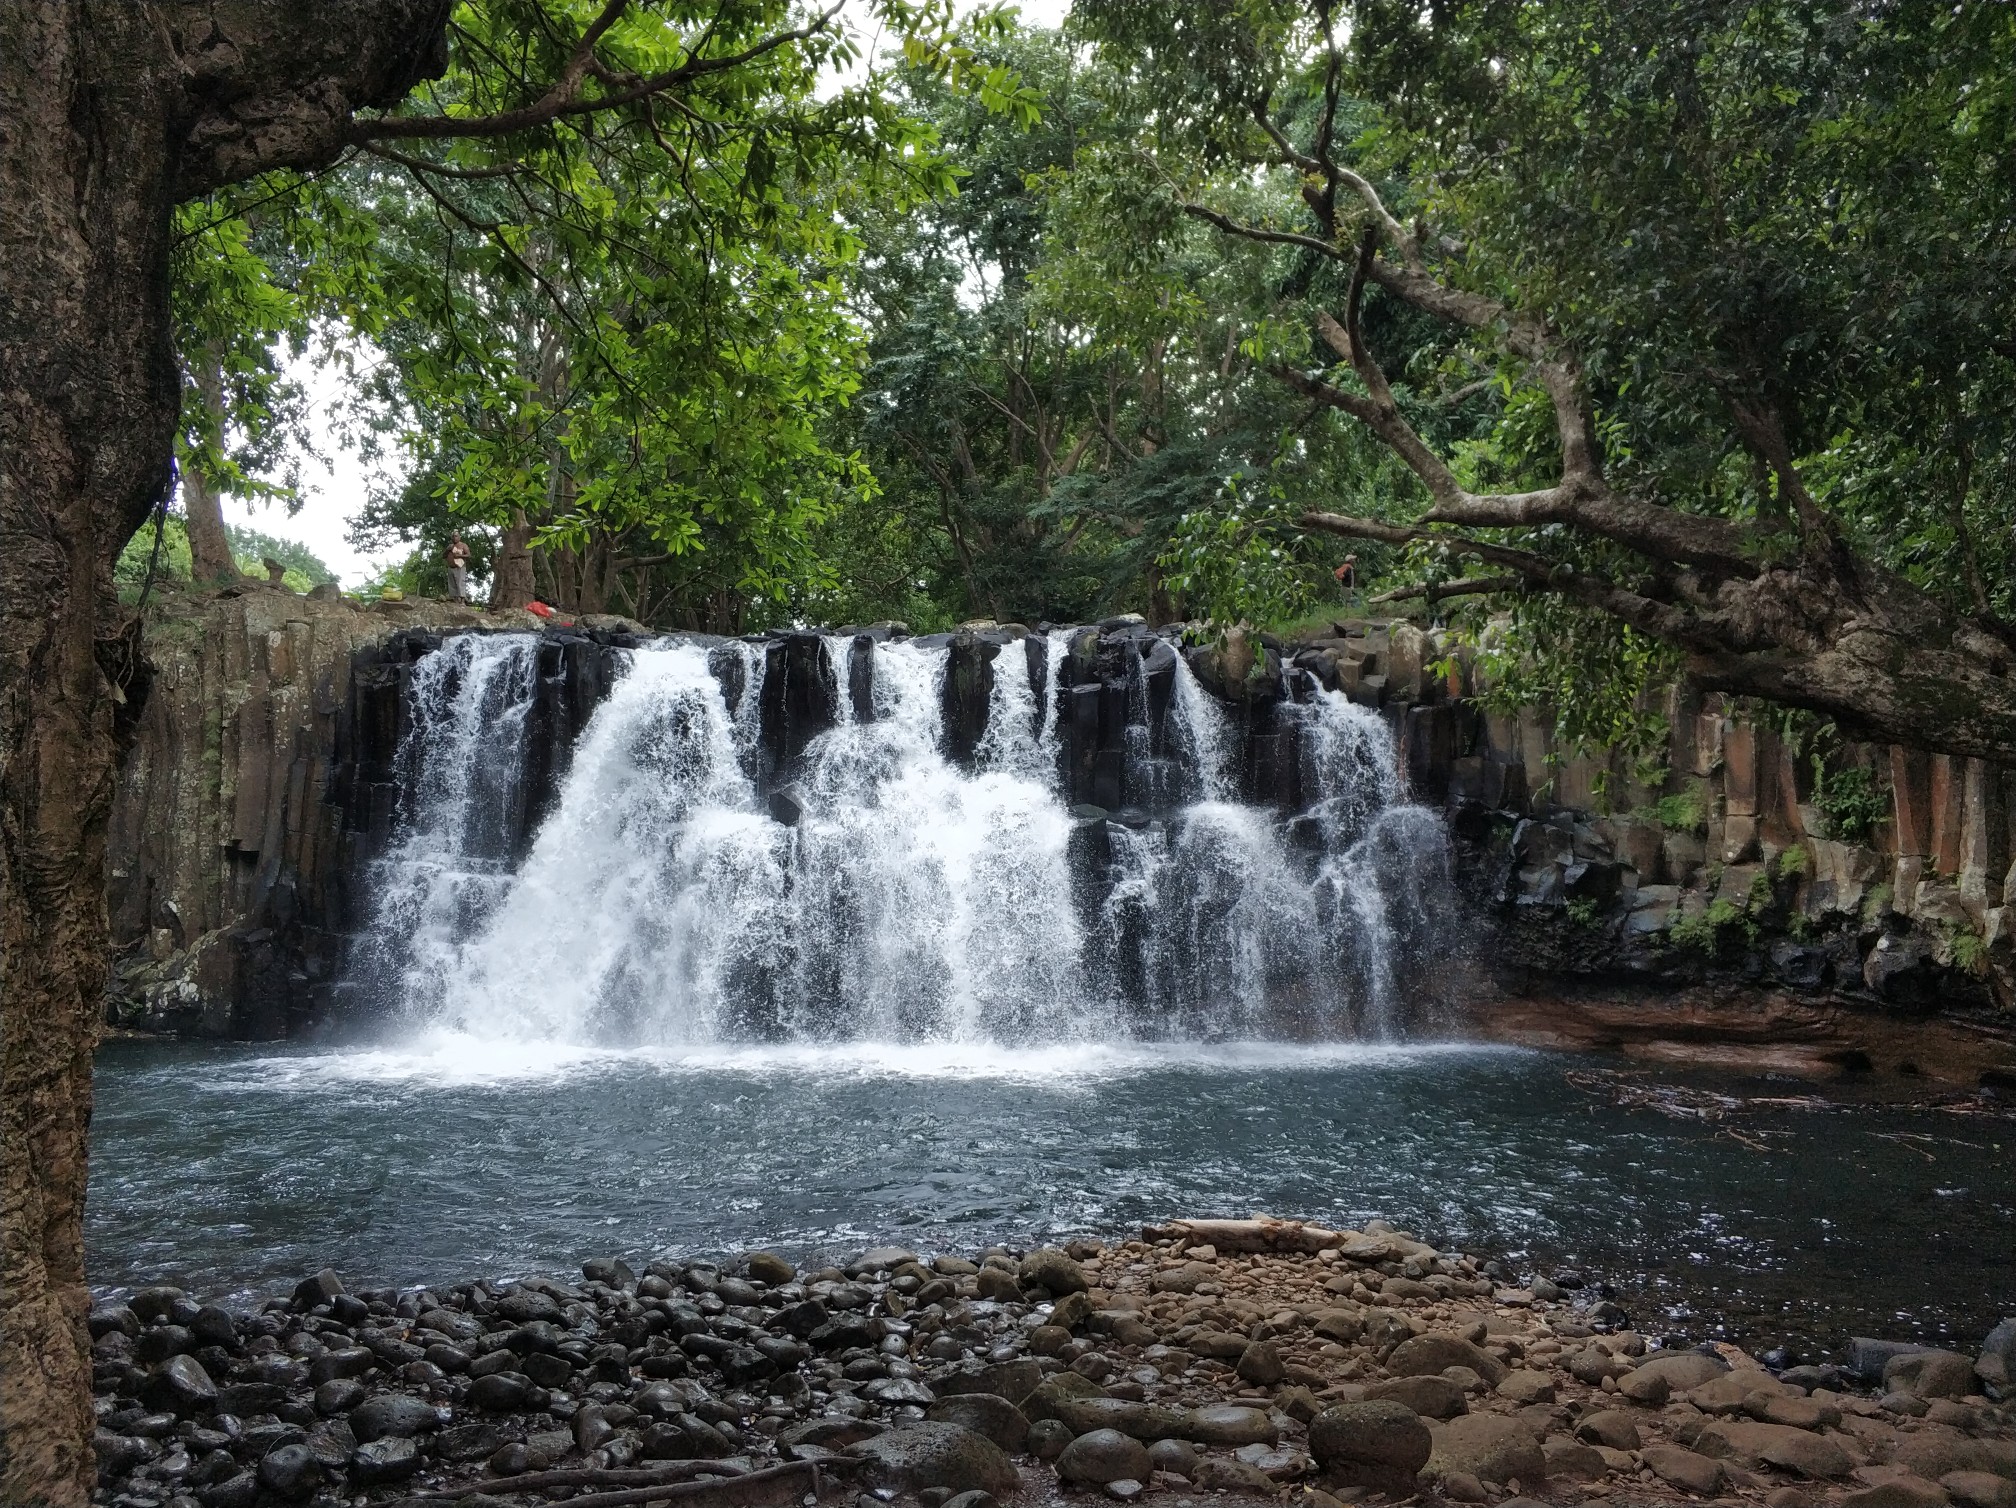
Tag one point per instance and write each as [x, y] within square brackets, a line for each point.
[87, 416]
[105, 121]
[210, 557]
[511, 585]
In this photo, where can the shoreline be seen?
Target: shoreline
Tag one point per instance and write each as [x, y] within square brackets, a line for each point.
[1256, 1358]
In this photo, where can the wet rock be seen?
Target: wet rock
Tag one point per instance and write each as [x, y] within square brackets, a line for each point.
[1102, 1456]
[500, 1392]
[1430, 1397]
[1228, 1424]
[291, 1472]
[1930, 1374]
[390, 1459]
[320, 1289]
[337, 1396]
[162, 1342]
[1427, 1355]
[1684, 1468]
[181, 1386]
[155, 1303]
[1260, 1364]
[912, 1457]
[1376, 1443]
[522, 1306]
[768, 1267]
[1051, 1269]
[213, 1326]
[1491, 1448]
[999, 1285]
[456, 1326]
[113, 1319]
[1996, 1364]
[986, 1414]
[345, 1361]
[882, 1258]
[393, 1414]
[1178, 1457]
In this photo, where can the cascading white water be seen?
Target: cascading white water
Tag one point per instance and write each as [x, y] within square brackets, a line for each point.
[904, 895]
[449, 863]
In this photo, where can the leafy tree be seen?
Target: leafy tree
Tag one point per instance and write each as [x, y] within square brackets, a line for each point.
[1728, 272]
[535, 127]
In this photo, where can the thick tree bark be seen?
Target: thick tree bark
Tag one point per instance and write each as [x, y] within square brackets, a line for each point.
[511, 585]
[210, 557]
[110, 110]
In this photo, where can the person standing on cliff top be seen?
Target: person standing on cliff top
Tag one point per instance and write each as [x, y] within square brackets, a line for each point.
[458, 568]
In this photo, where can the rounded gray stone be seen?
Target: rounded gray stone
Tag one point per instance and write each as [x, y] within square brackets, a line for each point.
[1104, 1455]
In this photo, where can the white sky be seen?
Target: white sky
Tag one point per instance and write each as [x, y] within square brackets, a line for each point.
[334, 490]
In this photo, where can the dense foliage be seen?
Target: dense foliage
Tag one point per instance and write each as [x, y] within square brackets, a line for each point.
[1004, 327]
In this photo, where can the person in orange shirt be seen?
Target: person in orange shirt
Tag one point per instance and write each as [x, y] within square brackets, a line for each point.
[1347, 578]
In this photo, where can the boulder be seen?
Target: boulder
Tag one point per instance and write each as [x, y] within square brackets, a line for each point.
[1900, 1491]
[1144, 1421]
[1867, 1357]
[1050, 1268]
[391, 1459]
[1570, 1458]
[392, 1414]
[986, 1414]
[1427, 1355]
[1997, 1362]
[1685, 1469]
[1102, 1456]
[1377, 1443]
[1525, 1386]
[1430, 1397]
[1491, 1448]
[290, 1472]
[1260, 1364]
[913, 1457]
[1228, 1424]
[180, 1386]
[1979, 1489]
[1611, 1427]
[1752, 1445]
[1679, 1370]
[768, 1267]
[1929, 1374]
[1059, 1387]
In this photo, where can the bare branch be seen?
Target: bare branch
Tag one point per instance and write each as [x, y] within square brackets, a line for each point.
[1467, 586]
[1661, 620]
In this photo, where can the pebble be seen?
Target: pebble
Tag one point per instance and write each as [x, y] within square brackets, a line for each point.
[1138, 1369]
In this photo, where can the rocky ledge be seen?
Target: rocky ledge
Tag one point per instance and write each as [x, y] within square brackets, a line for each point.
[1253, 1359]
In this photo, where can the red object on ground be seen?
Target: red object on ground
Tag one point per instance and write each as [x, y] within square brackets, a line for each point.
[540, 608]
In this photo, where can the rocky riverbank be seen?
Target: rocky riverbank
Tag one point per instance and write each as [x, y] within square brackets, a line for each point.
[1252, 1360]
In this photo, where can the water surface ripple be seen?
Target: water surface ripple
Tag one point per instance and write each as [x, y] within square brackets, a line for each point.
[233, 1168]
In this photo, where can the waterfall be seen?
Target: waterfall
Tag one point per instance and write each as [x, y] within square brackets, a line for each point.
[691, 886]
[461, 802]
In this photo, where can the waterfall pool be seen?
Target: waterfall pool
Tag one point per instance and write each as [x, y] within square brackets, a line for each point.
[236, 1168]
